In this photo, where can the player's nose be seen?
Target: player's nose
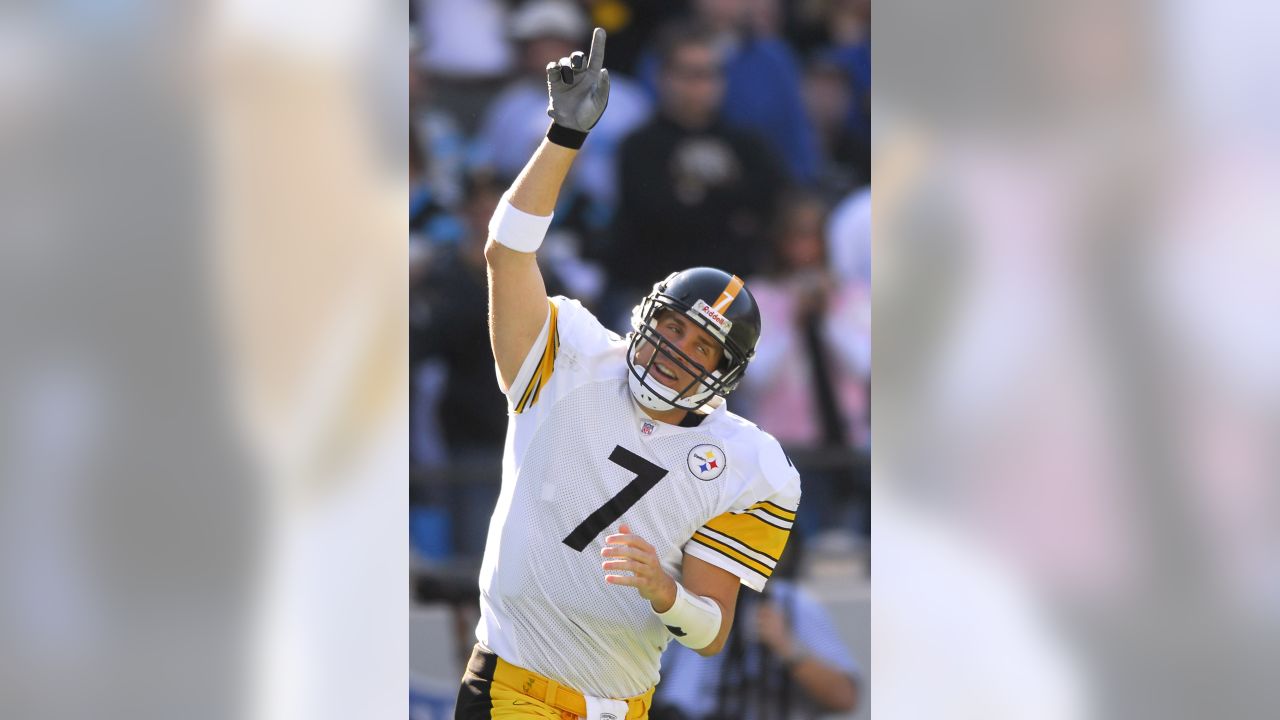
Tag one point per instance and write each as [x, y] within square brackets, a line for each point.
[689, 346]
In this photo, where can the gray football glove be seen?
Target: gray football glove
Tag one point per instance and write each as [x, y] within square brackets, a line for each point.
[578, 89]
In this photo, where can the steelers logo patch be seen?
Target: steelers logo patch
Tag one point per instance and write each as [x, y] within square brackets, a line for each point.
[706, 462]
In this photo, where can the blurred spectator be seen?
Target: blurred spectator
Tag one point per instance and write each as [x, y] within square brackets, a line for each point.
[849, 239]
[766, 18]
[450, 326]
[808, 382]
[432, 227]
[463, 38]
[693, 191]
[762, 83]
[464, 48]
[815, 24]
[849, 27]
[436, 146]
[784, 659]
[835, 37]
[632, 25]
[845, 146]
[547, 30]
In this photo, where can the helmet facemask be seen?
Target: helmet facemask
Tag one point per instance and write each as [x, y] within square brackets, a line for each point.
[704, 384]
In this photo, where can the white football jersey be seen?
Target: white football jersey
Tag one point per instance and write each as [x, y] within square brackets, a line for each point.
[581, 459]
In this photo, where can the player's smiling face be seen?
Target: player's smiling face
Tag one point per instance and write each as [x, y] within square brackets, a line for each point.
[691, 339]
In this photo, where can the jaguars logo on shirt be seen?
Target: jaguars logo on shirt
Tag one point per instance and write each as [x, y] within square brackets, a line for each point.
[706, 462]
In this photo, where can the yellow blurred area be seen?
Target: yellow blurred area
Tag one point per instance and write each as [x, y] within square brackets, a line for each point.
[1076, 402]
[206, 453]
[313, 258]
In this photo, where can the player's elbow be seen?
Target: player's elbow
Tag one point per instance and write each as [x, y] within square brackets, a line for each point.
[507, 262]
[493, 252]
[713, 649]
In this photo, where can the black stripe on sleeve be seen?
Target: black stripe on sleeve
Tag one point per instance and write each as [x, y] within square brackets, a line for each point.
[735, 560]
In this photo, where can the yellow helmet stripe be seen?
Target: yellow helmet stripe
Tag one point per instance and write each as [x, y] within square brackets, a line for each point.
[728, 294]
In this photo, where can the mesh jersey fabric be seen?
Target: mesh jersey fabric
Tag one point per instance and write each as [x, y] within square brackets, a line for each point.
[544, 605]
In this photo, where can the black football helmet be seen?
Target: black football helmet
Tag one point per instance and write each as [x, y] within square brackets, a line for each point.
[718, 303]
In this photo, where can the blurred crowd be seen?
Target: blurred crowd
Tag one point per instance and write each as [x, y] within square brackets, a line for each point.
[737, 136]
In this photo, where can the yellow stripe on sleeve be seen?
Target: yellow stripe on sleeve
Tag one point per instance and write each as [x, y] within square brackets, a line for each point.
[775, 510]
[733, 554]
[533, 384]
[546, 366]
[753, 533]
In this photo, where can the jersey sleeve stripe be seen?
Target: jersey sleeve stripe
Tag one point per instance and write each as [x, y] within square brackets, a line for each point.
[749, 577]
[784, 513]
[768, 541]
[768, 519]
[755, 534]
[733, 554]
[546, 366]
[746, 549]
[529, 390]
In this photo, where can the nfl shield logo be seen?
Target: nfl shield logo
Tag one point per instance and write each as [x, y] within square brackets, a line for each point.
[647, 428]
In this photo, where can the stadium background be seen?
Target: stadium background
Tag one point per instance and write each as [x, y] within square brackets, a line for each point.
[807, 65]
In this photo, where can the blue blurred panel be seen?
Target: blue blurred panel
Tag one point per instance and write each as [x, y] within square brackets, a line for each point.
[429, 533]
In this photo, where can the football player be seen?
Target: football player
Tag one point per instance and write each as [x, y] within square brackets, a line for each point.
[633, 503]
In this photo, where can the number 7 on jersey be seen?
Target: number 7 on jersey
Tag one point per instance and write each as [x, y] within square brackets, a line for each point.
[647, 476]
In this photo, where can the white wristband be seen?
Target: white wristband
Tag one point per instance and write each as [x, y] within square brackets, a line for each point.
[517, 229]
[693, 619]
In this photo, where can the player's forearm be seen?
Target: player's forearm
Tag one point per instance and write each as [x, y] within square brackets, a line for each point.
[718, 587]
[666, 598]
[537, 188]
[726, 624]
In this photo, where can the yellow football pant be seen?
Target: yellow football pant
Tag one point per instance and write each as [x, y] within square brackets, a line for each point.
[493, 689]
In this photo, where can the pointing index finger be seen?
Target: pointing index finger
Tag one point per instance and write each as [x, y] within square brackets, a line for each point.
[595, 58]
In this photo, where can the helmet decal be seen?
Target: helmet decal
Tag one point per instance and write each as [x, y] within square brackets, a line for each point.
[721, 323]
[728, 294]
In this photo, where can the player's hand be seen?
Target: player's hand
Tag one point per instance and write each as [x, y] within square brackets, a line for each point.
[579, 87]
[632, 554]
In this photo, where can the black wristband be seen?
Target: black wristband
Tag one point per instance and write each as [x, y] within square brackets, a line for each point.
[566, 137]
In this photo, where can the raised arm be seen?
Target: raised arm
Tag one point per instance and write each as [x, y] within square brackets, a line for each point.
[517, 294]
[578, 88]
